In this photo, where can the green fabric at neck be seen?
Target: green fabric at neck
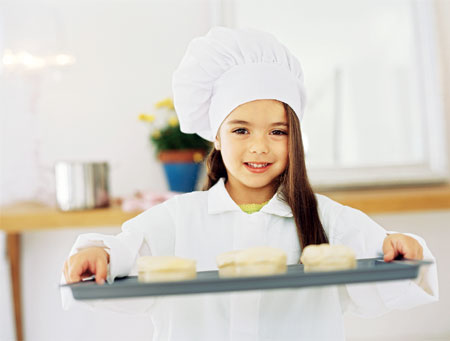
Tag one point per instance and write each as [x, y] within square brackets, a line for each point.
[252, 208]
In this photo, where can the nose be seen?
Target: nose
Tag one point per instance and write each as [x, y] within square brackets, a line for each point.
[259, 145]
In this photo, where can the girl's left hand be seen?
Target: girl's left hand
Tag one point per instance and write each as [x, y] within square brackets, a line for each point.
[399, 244]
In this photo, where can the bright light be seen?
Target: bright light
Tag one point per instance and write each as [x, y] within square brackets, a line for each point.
[9, 58]
[29, 61]
[64, 59]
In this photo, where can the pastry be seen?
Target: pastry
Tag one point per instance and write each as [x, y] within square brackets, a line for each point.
[165, 268]
[326, 257]
[255, 261]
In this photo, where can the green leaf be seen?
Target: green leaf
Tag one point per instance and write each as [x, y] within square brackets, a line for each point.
[173, 139]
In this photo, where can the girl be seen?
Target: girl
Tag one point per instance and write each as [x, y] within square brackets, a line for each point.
[243, 90]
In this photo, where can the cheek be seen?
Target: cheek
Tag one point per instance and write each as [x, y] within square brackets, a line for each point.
[231, 152]
[282, 151]
[286, 160]
[283, 156]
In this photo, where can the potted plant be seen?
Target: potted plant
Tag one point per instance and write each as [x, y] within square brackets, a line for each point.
[181, 154]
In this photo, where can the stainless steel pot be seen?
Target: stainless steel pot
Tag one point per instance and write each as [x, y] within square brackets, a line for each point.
[81, 185]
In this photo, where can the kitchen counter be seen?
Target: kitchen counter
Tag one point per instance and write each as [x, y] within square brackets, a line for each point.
[29, 215]
[26, 216]
[394, 200]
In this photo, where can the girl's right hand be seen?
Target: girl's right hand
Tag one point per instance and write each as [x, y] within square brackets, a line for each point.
[87, 262]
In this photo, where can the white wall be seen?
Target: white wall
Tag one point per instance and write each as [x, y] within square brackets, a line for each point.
[125, 55]
[6, 312]
[443, 14]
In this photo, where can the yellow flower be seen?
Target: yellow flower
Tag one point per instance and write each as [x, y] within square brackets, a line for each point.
[156, 134]
[146, 117]
[173, 121]
[168, 103]
[197, 157]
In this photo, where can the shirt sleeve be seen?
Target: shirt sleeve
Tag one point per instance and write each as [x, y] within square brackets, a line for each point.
[358, 231]
[150, 233]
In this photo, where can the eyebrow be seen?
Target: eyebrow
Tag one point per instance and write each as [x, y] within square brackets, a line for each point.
[248, 123]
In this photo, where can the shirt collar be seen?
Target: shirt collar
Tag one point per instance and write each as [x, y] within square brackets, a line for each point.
[219, 201]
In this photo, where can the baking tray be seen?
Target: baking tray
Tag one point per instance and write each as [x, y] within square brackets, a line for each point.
[367, 270]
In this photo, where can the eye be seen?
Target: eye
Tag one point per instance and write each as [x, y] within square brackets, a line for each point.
[240, 131]
[279, 132]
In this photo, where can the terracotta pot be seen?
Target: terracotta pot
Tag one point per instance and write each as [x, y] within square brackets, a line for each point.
[182, 168]
[181, 156]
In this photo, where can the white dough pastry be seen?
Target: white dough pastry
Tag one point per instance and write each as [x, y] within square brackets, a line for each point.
[165, 268]
[326, 257]
[256, 261]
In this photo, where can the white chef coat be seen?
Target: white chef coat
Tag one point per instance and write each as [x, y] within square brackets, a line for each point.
[200, 225]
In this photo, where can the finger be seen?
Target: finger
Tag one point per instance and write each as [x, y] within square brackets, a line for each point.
[407, 249]
[73, 277]
[100, 273]
[389, 251]
[75, 271]
[420, 253]
[389, 256]
[65, 270]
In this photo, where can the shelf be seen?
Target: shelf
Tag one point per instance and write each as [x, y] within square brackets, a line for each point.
[28, 216]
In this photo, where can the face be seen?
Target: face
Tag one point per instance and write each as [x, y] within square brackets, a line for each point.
[253, 141]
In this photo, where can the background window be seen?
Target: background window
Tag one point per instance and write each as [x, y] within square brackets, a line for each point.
[374, 108]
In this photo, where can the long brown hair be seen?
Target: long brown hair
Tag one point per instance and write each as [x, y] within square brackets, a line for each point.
[293, 184]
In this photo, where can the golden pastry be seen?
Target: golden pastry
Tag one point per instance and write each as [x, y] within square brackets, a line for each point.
[255, 261]
[326, 257]
[165, 268]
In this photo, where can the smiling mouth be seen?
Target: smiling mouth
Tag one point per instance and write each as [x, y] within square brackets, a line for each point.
[257, 165]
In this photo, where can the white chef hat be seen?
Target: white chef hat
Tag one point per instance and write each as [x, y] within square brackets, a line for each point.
[229, 67]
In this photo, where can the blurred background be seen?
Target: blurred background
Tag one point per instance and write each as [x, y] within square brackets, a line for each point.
[75, 76]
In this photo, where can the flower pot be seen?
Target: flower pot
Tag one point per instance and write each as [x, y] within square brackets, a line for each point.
[182, 168]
